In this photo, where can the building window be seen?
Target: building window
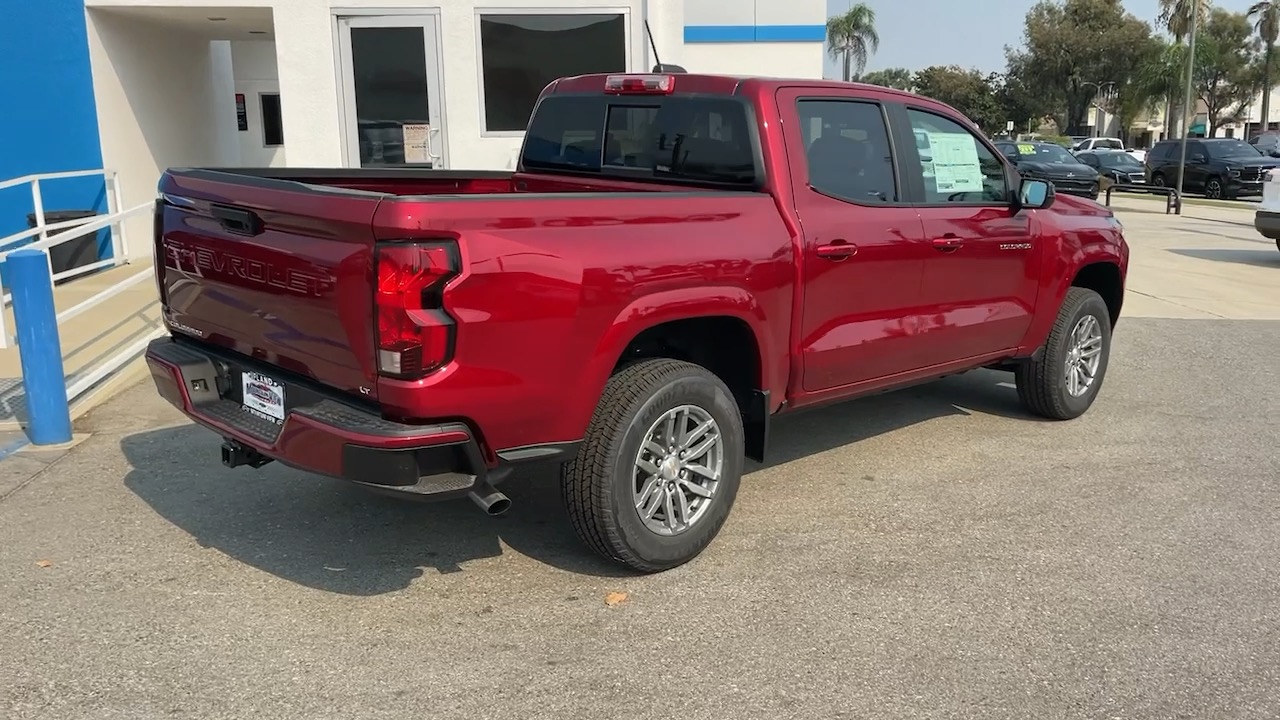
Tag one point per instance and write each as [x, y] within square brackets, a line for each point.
[521, 54]
[272, 127]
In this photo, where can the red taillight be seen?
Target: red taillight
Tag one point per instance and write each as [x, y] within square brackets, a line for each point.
[640, 84]
[415, 334]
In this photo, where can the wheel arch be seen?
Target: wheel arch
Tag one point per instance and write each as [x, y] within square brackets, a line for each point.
[1103, 277]
[721, 329]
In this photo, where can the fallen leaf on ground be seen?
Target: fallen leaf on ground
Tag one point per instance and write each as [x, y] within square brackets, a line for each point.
[44, 563]
[614, 598]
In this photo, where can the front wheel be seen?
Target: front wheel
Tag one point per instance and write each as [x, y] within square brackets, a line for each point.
[1213, 189]
[659, 468]
[1064, 382]
[1157, 180]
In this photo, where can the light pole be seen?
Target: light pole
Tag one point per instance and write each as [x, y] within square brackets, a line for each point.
[1097, 128]
[1186, 103]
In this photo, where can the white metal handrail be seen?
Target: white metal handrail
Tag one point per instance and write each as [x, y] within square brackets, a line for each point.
[72, 230]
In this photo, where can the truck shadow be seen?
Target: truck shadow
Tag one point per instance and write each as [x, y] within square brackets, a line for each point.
[331, 536]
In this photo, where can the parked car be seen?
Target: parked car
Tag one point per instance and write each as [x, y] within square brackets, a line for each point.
[1266, 219]
[1114, 144]
[676, 260]
[1114, 167]
[1217, 167]
[1051, 162]
[1267, 143]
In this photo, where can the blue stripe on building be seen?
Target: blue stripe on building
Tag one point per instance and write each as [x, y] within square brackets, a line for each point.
[48, 117]
[754, 33]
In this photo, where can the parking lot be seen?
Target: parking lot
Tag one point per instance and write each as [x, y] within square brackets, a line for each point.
[932, 553]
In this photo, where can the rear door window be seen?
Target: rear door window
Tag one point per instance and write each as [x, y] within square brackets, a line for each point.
[847, 150]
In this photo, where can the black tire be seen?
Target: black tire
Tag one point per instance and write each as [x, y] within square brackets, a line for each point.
[1213, 189]
[1042, 384]
[1157, 180]
[598, 487]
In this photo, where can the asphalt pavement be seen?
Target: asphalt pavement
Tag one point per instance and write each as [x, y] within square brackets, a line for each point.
[931, 553]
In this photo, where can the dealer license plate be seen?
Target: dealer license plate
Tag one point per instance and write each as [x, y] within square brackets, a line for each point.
[263, 395]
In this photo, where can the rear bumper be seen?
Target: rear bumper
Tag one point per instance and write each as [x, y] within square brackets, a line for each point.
[322, 434]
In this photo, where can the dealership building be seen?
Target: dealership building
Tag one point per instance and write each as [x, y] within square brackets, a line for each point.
[136, 86]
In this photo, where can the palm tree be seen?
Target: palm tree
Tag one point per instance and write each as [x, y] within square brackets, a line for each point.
[1175, 16]
[1266, 22]
[852, 37]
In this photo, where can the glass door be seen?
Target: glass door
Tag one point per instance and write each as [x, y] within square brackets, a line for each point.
[390, 78]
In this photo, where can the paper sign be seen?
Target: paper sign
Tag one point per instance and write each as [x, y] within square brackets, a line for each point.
[955, 162]
[1025, 149]
[417, 143]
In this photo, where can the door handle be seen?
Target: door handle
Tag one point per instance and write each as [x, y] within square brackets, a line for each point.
[837, 250]
[948, 243]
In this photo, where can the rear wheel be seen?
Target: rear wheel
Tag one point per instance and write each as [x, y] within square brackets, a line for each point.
[1064, 382]
[659, 468]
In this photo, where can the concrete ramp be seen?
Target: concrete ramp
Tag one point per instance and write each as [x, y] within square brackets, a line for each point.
[88, 339]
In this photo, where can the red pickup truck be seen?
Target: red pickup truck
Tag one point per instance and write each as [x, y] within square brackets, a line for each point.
[676, 260]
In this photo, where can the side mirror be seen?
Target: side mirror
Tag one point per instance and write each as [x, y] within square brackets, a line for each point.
[1035, 194]
[1198, 159]
[1275, 153]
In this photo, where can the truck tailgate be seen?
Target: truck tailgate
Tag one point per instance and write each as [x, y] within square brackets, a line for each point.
[279, 271]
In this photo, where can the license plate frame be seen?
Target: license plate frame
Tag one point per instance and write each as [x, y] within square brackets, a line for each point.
[262, 395]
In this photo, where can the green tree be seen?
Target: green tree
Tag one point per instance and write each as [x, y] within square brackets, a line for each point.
[1227, 68]
[1071, 47]
[968, 91]
[1266, 22]
[852, 38]
[896, 78]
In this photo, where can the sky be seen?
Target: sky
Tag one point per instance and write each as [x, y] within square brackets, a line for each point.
[918, 33]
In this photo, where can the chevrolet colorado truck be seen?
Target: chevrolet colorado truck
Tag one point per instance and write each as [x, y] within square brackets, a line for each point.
[675, 260]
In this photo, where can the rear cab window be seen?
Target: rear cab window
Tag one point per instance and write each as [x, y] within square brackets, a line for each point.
[686, 139]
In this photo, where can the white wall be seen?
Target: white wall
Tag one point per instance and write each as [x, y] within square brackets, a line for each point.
[157, 107]
[788, 60]
[254, 68]
[309, 86]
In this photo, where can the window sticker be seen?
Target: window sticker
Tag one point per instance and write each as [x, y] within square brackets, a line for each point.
[1024, 149]
[955, 162]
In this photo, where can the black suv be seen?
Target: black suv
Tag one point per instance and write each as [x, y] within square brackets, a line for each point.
[1217, 167]
[1047, 161]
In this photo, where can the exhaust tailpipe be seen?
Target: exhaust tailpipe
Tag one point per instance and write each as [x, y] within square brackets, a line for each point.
[487, 497]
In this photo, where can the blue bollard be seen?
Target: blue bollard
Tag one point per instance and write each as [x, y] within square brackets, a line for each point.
[48, 412]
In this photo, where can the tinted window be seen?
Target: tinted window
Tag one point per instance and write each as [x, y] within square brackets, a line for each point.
[1121, 161]
[521, 54]
[662, 137]
[272, 128]
[1231, 149]
[1089, 160]
[1047, 153]
[1160, 151]
[847, 150]
[955, 164]
[1108, 144]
